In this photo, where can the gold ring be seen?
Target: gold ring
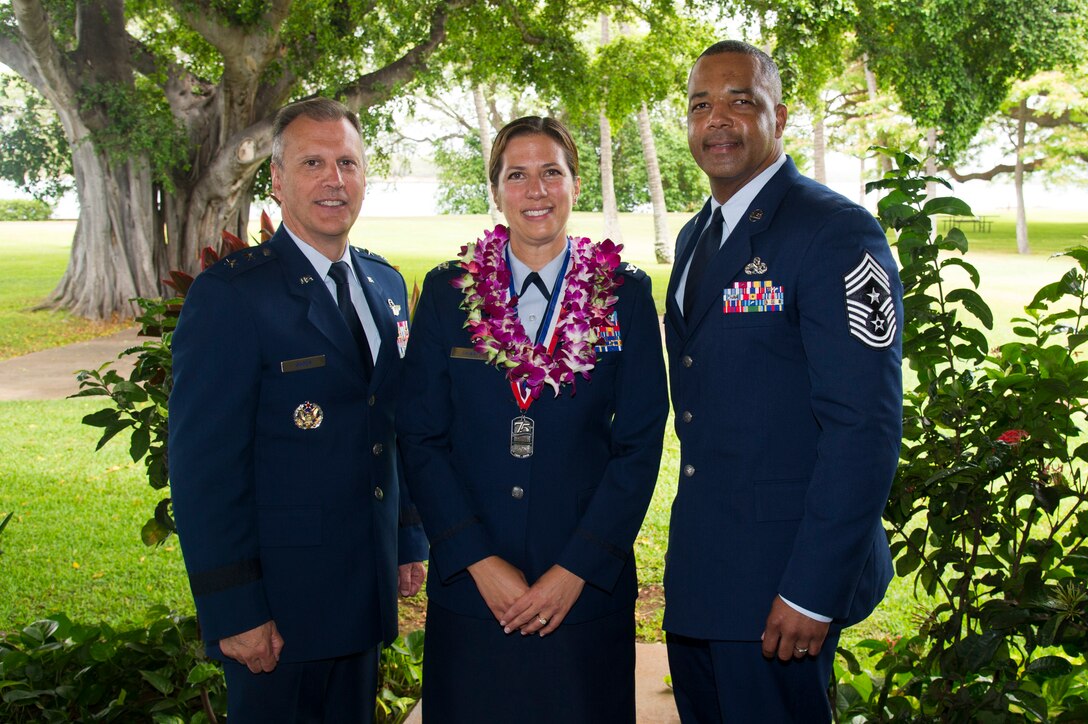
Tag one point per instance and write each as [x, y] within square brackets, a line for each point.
[543, 621]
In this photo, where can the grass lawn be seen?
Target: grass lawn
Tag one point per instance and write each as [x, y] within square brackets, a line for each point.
[33, 255]
[73, 544]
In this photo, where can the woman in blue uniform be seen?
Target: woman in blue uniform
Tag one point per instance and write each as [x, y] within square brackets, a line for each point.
[531, 423]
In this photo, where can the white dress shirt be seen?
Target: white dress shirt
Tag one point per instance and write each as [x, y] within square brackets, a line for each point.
[321, 265]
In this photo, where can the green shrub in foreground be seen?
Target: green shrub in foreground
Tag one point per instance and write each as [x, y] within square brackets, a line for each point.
[988, 512]
[58, 671]
[25, 210]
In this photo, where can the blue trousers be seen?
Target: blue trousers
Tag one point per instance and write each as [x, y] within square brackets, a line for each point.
[327, 691]
[730, 681]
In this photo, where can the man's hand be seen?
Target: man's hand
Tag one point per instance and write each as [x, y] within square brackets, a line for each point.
[410, 578]
[791, 634]
[259, 648]
[546, 603]
[499, 583]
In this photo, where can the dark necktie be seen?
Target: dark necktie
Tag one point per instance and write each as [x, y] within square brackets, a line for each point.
[339, 273]
[705, 249]
[536, 281]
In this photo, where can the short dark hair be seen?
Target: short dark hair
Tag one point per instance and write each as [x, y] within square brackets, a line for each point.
[767, 67]
[526, 126]
[317, 109]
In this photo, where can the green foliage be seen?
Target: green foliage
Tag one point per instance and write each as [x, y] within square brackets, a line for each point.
[151, 133]
[989, 508]
[400, 678]
[684, 184]
[25, 210]
[58, 671]
[139, 404]
[36, 155]
[54, 670]
[951, 63]
[462, 180]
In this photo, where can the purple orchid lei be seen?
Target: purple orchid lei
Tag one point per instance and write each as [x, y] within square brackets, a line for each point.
[497, 332]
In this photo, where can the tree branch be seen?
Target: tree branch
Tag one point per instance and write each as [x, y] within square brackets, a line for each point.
[519, 23]
[14, 55]
[40, 52]
[1033, 165]
[1044, 120]
[378, 86]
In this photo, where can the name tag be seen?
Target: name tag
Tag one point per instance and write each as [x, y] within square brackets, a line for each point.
[302, 363]
[467, 353]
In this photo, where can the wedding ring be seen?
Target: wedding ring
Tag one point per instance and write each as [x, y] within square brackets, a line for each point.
[800, 651]
[543, 621]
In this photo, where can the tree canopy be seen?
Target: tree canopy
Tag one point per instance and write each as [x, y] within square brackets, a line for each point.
[167, 105]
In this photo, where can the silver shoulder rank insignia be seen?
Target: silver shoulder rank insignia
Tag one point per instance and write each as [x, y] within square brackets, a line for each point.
[756, 215]
[631, 267]
[305, 280]
[444, 265]
[230, 262]
[309, 416]
[394, 307]
[755, 267]
[869, 308]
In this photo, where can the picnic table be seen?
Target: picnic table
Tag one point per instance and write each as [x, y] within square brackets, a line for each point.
[975, 223]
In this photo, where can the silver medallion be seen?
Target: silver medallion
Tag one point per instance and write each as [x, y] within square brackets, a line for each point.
[522, 429]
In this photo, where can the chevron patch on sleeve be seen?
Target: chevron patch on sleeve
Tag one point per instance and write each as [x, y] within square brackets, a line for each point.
[870, 312]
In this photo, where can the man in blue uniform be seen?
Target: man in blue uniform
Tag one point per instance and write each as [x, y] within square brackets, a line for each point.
[284, 471]
[783, 329]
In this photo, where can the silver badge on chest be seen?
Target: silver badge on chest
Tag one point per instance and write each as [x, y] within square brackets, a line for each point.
[522, 431]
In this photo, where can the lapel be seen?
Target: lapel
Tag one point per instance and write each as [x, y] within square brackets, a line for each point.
[736, 252]
[378, 299]
[685, 246]
[304, 283]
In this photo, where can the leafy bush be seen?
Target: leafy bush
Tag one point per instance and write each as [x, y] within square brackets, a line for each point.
[988, 509]
[25, 210]
[57, 671]
[400, 678]
[140, 403]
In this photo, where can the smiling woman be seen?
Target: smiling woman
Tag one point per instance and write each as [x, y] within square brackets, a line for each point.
[532, 577]
[534, 176]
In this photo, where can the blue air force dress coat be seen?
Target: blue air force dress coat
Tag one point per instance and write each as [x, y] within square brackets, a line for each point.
[578, 501]
[283, 464]
[787, 390]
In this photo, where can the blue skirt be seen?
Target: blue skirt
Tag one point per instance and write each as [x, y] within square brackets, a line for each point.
[581, 673]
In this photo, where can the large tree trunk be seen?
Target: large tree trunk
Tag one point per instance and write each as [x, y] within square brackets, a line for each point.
[132, 230]
[608, 180]
[484, 130]
[663, 242]
[113, 251]
[819, 145]
[1018, 181]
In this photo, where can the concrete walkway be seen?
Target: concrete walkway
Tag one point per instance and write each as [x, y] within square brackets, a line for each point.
[50, 375]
